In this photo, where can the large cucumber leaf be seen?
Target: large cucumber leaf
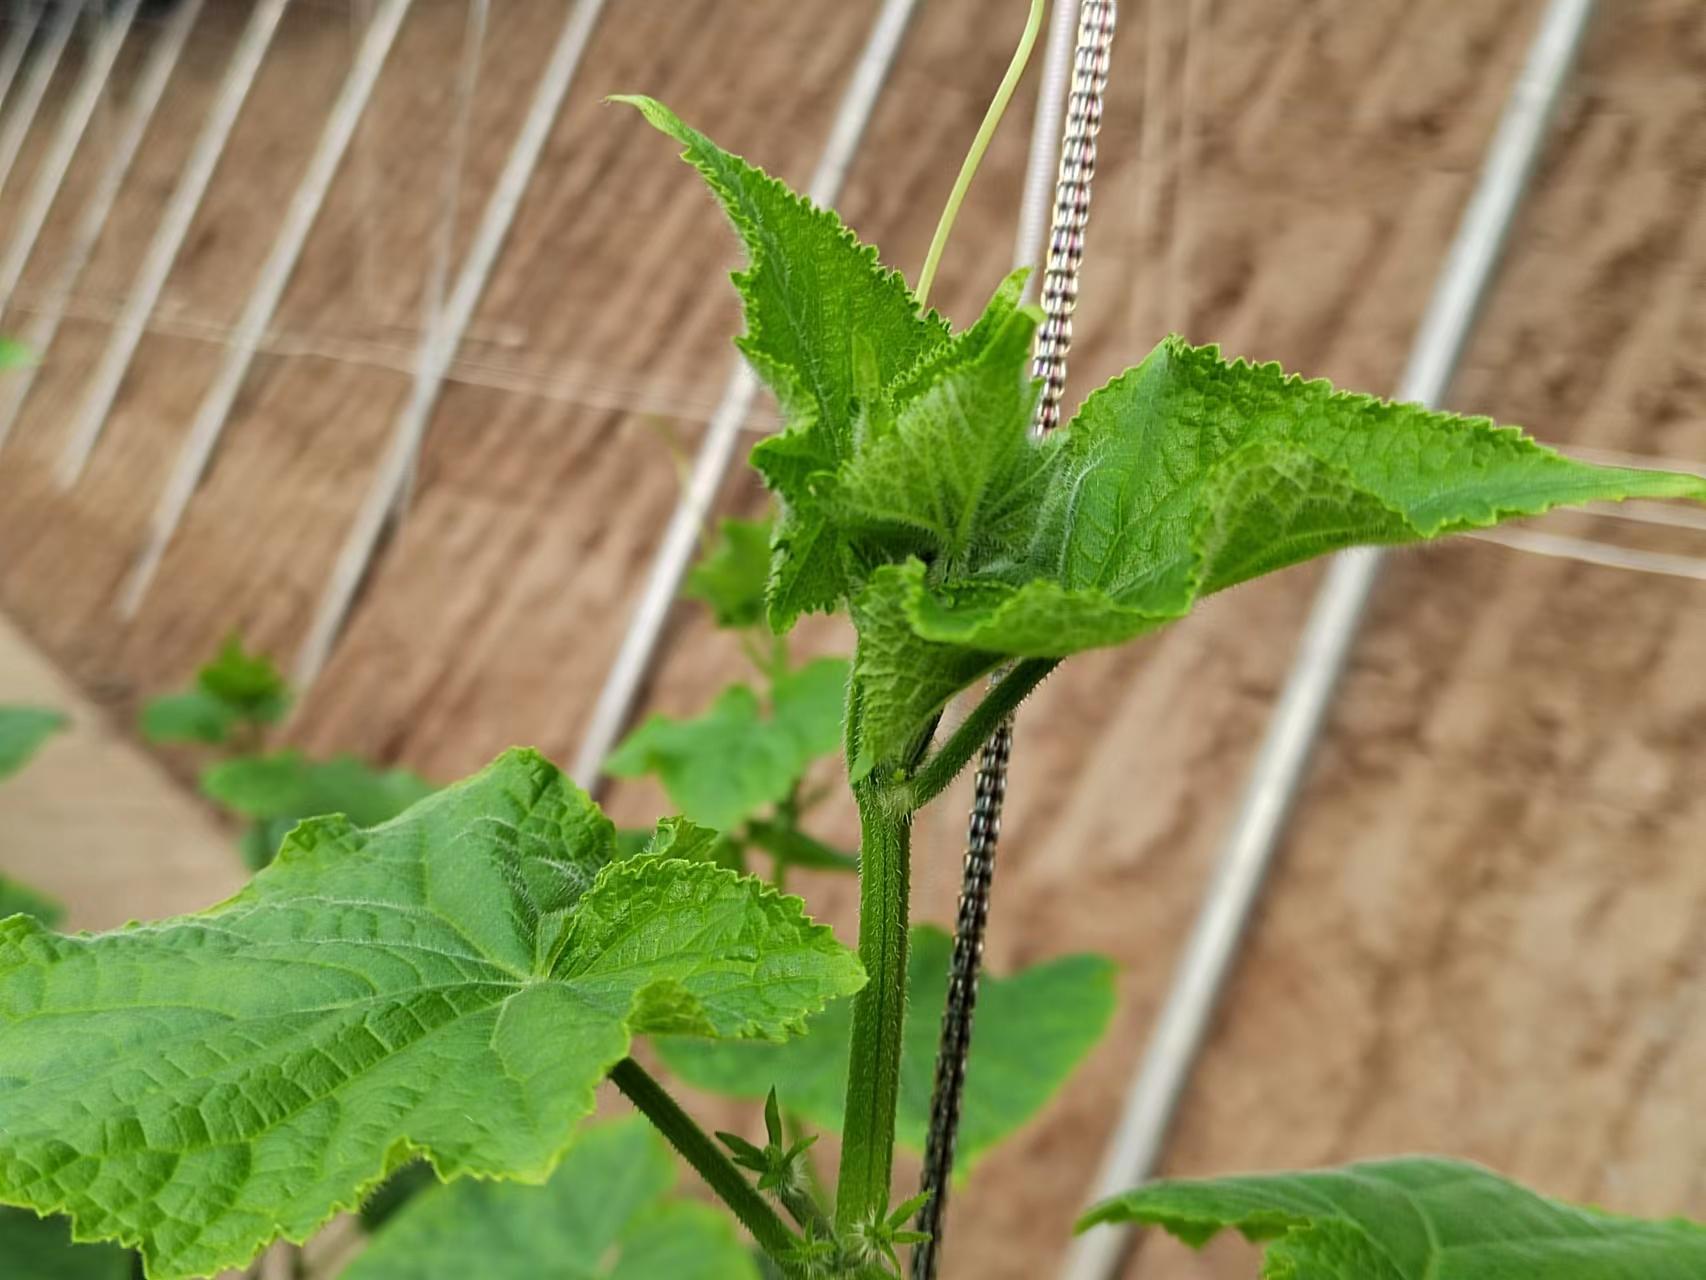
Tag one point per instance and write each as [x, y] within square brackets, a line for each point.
[453, 984]
[1033, 1029]
[1413, 1219]
[606, 1214]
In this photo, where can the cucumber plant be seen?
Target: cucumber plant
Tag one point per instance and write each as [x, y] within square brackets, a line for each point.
[455, 983]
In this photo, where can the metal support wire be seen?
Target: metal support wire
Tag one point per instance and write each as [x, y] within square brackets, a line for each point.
[439, 343]
[1274, 782]
[23, 113]
[50, 174]
[1071, 216]
[716, 451]
[244, 340]
[181, 209]
[44, 325]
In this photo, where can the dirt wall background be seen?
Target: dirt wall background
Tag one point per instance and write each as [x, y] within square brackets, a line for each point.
[1484, 934]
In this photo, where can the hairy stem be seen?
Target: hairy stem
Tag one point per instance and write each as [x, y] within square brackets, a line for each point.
[979, 144]
[949, 759]
[879, 1010]
[700, 1151]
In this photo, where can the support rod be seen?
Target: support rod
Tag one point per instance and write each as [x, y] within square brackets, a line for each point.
[245, 339]
[50, 174]
[1134, 1153]
[716, 451]
[22, 115]
[91, 418]
[439, 343]
[50, 310]
[25, 18]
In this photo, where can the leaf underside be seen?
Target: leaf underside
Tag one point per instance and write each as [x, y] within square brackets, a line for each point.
[1413, 1219]
[1033, 1030]
[606, 1214]
[452, 984]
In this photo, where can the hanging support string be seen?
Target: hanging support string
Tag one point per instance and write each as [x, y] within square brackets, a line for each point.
[1054, 343]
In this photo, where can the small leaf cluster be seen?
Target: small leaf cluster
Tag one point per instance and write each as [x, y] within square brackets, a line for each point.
[914, 496]
[232, 703]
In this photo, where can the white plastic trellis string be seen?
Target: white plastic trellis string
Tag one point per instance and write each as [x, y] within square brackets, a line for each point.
[434, 296]
[439, 343]
[91, 418]
[268, 289]
[50, 309]
[1090, 58]
[22, 113]
[1136, 1147]
[50, 174]
[716, 451]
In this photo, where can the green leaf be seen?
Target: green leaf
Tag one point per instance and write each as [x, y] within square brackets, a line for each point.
[828, 329]
[192, 716]
[930, 487]
[1188, 474]
[452, 984]
[732, 577]
[732, 762]
[280, 790]
[1413, 1219]
[15, 355]
[15, 899]
[1033, 1029]
[40, 1249]
[245, 682]
[22, 732]
[605, 1213]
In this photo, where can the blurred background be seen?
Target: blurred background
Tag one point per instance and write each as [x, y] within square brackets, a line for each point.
[430, 482]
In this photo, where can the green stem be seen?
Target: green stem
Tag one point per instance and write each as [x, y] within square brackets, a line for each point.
[979, 144]
[700, 1151]
[946, 762]
[879, 1010]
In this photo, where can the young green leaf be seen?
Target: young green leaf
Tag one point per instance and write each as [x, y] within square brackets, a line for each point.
[1189, 474]
[14, 354]
[606, 1214]
[247, 683]
[192, 716]
[732, 762]
[22, 732]
[1413, 1219]
[33, 1248]
[15, 899]
[452, 984]
[1033, 1029]
[827, 328]
[733, 576]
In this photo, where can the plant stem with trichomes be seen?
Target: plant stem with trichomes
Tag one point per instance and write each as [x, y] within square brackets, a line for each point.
[707, 1158]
